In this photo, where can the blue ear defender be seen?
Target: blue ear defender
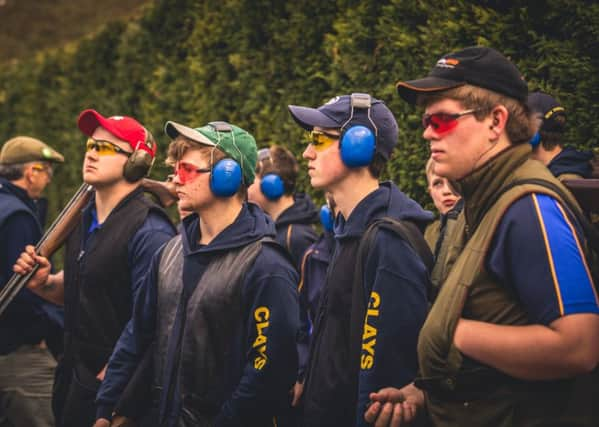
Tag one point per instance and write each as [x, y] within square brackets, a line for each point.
[226, 176]
[272, 186]
[535, 140]
[327, 219]
[358, 143]
[357, 146]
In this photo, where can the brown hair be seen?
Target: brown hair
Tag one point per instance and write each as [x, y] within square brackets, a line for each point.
[282, 162]
[520, 122]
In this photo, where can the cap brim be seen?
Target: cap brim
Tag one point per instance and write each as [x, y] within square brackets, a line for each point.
[173, 130]
[309, 117]
[411, 89]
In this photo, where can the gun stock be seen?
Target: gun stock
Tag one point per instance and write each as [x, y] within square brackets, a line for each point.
[163, 191]
[586, 192]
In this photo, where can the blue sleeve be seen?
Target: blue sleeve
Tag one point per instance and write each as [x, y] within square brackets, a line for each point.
[153, 233]
[537, 251]
[395, 283]
[305, 328]
[272, 321]
[18, 231]
[132, 344]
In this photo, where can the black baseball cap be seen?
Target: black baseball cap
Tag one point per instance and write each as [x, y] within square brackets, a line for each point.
[478, 66]
[550, 111]
[336, 113]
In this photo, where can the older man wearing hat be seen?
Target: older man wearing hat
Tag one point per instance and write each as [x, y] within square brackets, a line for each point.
[26, 365]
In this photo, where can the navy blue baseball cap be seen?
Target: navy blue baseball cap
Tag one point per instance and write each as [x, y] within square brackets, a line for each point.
[551, 112]
[337, 114]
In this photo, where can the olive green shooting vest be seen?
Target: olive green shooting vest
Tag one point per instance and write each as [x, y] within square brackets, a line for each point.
[462, 392]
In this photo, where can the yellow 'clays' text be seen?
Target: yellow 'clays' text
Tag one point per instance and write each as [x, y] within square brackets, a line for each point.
[369, 333]
[261, 314]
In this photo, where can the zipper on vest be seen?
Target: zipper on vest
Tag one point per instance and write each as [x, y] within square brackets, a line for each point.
[80, 256]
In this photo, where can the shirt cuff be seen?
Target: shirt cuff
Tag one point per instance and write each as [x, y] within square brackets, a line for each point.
[104, 411]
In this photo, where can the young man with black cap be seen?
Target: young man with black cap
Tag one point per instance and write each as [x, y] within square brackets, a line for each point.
[26, 365]
[547, 145]
[219, 302]
[106, 257]
[375, 299]
[274, 191]
[511, 339]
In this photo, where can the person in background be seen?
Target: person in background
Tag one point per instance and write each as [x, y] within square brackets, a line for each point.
[26, 364]
[438, 233]
[274, 191]
[548, 145]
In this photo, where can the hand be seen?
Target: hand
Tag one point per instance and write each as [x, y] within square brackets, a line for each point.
[27, 261]
[102, 373]
[392, 407]
[297, 391]
[102, 422]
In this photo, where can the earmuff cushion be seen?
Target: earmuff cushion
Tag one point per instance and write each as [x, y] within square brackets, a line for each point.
[358, 145]
[327, 219]
[225, 178]
[272, 186]
[535, 140]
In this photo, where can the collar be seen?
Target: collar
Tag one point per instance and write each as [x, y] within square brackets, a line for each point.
[479, 187]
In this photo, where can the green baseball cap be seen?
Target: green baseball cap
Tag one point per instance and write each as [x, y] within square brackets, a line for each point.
[23, 149]
[232, 140]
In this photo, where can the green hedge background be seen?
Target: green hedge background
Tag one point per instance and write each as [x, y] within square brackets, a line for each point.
[243, 61]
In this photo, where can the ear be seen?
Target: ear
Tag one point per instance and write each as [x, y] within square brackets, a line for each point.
[28, 172]
[498, 120]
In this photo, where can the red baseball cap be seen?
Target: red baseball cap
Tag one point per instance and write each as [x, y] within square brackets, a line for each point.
[126, 128]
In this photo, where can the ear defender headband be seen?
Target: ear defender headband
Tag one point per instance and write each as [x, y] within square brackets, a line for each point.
[358, 143]
[226, 175]
[140, 161]
[271, 184]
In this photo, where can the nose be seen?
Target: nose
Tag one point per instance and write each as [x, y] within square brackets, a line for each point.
[309, 153]
[428, 133]
[176, 180]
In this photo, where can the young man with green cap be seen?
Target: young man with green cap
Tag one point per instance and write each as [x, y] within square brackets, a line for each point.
[26, 365]
[219, 305]
[511, 339]
[106, 257]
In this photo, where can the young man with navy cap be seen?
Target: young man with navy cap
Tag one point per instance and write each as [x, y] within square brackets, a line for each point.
[511, 339]
[374, 303]
[548, 145]
[219, 302]
[106, 257]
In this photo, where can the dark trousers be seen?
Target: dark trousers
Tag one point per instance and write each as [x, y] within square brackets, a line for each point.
[76, 397]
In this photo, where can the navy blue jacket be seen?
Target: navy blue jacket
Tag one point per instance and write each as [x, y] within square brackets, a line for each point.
[571, 161]
[294, 226]
[28, 319]
[270, 281]
[395, 284]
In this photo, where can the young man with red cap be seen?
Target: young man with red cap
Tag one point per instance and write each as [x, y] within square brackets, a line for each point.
[511, 339]
[374, 300]
[106, 257]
